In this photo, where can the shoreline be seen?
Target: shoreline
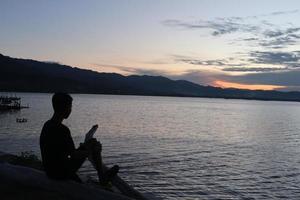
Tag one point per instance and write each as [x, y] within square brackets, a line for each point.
[176, 96]
[24, 174]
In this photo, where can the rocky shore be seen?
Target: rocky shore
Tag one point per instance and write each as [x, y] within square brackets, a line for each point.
[22, 178]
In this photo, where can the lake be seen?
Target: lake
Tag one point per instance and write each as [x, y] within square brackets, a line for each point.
[179, 148]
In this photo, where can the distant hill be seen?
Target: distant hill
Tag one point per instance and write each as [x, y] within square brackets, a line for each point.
[24, 75]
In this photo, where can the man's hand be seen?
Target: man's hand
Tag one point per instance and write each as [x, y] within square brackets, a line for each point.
[91, 132]
[95, 127]
[97, 148]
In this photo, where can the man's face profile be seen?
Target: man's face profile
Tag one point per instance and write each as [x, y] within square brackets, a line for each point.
[68, 111]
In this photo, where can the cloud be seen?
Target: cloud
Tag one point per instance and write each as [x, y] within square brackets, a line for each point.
[277, 58]
[289, 79]
[280, 38]
[202, 77]
[272, 38]
[283, 12]
[277, 43]
[253, 61]
[281, 68]
[219, 26]
[212, 62]
[277, 33]
[286, 12]
[220, 62]
[250, 39]
[133, 70]
[254, 69]
[285, 78]
[265, 34]
[236, 65]
[270, 76]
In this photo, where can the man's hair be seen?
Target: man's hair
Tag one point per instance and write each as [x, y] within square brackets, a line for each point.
[60, 101]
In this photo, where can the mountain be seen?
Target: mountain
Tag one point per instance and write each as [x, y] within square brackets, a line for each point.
[24, 75]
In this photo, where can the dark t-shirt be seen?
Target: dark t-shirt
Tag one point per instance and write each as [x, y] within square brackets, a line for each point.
[57, 148]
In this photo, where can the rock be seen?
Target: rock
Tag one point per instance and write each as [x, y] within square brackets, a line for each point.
[19, 182]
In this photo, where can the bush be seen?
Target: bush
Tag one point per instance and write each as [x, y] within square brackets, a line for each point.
[28, 159]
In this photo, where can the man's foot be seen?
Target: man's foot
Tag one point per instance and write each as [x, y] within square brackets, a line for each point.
[107, 186]
[110, 174]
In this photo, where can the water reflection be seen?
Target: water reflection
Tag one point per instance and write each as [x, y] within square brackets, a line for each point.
[181, 148]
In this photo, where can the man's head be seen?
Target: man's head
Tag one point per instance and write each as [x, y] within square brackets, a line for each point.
[62, 104]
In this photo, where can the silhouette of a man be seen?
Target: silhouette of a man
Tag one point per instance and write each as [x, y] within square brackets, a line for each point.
[61, 159]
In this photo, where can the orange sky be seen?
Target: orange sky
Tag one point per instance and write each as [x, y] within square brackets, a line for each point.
[225, 84]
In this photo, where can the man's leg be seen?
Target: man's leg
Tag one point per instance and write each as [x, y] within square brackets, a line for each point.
[104, 175]
[97, 158]
[76, 178]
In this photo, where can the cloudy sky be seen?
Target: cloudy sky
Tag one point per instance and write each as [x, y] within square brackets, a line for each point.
[226, 43]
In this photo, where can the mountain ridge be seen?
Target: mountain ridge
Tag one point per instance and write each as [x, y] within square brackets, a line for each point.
[27, 75]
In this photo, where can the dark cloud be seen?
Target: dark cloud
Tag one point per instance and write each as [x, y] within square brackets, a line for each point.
[284, 78]
[264, 61]
[201, 62]
[292, 30]
[290, 79]
[272, 33]
[250, 39]
[276, 58]
[202, 77]
[266, 34]
[272, 14]
[284, 12]
[219, 26]
[276, 39]
[285, 32]
[253, 69]
[280, 38]
[278, 43]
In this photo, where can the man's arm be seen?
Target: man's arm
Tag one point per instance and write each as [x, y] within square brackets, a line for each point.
[81, 153]
[77, 158]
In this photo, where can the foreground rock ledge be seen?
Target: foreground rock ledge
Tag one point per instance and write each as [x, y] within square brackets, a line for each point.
[19, 182]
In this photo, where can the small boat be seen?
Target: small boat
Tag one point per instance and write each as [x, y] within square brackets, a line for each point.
[11, 103]
[21, 120]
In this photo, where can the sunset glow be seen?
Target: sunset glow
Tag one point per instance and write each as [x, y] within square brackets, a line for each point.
[224, 84]
[226, 45]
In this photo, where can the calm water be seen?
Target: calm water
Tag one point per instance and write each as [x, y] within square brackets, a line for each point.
[180, 148]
